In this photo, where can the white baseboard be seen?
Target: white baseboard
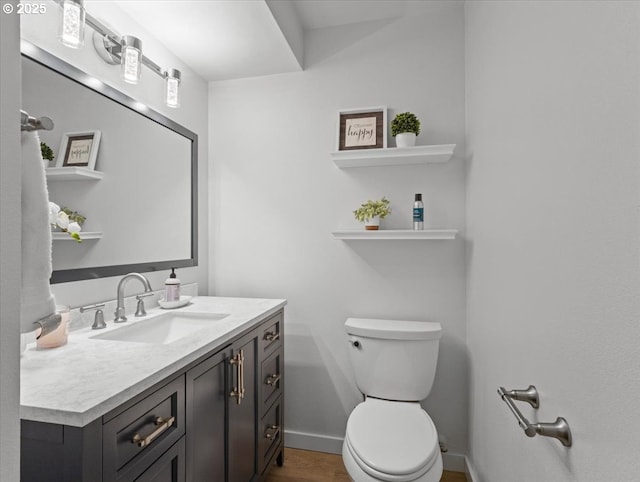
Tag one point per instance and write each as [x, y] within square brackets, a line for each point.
[453, 462]
[333, 445]
[311, 441]
[470, 472]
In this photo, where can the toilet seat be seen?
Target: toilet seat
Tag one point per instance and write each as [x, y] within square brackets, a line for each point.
[392, 441]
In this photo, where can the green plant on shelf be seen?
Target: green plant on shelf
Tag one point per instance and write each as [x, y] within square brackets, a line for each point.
[370, 209]
[405, 122]
[47, 152]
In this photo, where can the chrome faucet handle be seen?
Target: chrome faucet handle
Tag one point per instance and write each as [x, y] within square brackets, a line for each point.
[140, 311]
[120, 315]
[98, 321]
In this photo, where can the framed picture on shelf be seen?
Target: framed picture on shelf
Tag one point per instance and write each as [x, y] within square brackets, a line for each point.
[79, 149]
[362, 128]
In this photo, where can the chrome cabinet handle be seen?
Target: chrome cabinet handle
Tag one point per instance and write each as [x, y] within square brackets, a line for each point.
[271, 336]
[241, 374]
[238, 361]
[272, 379]
[272, 432]
[162, 423]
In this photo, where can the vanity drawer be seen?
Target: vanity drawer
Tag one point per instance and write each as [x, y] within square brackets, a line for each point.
[272, 373]
[271, 332]
[168, 468]
[135, 438]
[270, 433]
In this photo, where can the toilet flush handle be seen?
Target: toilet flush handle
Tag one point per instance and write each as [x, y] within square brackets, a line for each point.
[355, 343]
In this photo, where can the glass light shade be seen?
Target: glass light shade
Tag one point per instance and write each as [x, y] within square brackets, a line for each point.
[71, 31]
[172, 88]
[131, 60]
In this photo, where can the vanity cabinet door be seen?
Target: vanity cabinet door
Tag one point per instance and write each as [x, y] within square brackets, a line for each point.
[207, 396]
[243, 413]
[222, 407]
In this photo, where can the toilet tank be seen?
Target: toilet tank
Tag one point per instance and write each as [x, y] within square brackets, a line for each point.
[393, 359]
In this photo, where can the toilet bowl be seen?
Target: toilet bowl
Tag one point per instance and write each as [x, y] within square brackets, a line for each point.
[391, 441]
[389, 437]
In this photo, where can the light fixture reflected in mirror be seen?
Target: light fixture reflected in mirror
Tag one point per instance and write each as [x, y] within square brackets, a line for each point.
[131, 59]
[172, 88]
[71, 24]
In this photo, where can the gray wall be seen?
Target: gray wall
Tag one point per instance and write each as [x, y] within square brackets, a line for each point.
[277, 196]
[553, 124]
[10, 254]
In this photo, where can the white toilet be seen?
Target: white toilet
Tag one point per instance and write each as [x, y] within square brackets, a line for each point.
[389, 436]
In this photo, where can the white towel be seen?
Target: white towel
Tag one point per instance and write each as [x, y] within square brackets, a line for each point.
[36, 300]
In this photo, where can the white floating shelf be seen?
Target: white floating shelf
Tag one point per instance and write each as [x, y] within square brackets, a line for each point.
[393, 156]
[72, 174]
[84, 235]
[397, 234]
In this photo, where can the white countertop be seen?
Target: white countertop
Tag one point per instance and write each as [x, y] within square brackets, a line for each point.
[86, 378]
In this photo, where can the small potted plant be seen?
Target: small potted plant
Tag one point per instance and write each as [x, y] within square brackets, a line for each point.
[47, 153]
[405, 127]
[371, 212]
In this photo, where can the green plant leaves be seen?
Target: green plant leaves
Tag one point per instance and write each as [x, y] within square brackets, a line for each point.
[74, 215]
[371, 209]
[47, 153]
[405, 122]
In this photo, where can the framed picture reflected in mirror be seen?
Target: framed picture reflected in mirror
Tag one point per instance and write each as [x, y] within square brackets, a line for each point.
[79, 149]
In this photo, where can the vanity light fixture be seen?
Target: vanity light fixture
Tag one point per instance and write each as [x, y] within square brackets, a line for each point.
[172, 88]
[71, 25]
[114, 48]
[131, 58]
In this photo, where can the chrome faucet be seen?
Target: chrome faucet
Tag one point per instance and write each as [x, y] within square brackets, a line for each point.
[120, 313]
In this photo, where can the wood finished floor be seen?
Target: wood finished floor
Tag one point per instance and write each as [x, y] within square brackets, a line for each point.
[308, 466]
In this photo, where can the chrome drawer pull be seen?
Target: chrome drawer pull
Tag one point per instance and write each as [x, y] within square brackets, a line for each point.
[271, 336]
[272, 432]
[162, 423]
[272, 379]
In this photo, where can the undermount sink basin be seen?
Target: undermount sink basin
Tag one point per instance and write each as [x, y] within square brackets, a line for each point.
[162, 329]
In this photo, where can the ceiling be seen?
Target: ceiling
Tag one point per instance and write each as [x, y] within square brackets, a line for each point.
[331, 13]
[231, 39]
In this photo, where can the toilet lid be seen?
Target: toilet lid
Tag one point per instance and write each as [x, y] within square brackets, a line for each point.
[394, 438]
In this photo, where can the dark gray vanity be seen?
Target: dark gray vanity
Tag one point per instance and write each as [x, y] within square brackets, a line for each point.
[215, 414]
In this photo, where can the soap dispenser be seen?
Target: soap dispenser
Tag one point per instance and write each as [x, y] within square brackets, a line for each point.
[172, 287]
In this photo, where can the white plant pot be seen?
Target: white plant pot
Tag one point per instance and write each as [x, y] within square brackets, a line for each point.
[372, 224]
[405, 139]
